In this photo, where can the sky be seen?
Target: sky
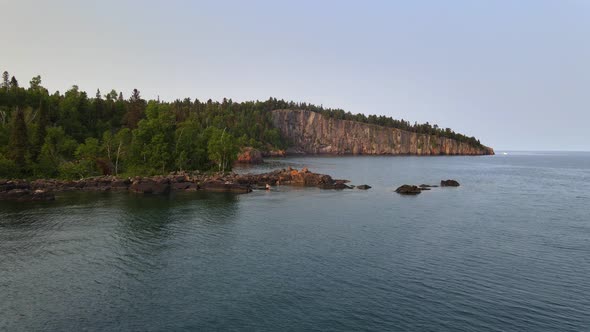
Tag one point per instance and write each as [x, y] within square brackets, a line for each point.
[515, 74]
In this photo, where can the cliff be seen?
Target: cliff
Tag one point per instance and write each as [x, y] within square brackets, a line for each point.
[312, 133]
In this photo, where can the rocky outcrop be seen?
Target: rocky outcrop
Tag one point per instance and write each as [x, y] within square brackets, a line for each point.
[312, 133]
[249, 155]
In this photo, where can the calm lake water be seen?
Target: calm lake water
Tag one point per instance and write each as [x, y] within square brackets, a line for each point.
[509, 250]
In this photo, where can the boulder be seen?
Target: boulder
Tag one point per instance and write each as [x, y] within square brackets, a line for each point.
[407, 189]
[363, 187]
[449, 183]
[249, 155]
[150, 186]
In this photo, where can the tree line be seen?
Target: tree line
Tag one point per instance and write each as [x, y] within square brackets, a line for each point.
[73, 135]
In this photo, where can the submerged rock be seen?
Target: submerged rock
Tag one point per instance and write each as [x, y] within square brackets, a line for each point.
[150, 185]
[364, 187]
[26, 195]
[449, 183]
[427, 186]
[336, 185]
[226, 187]
[407, 189]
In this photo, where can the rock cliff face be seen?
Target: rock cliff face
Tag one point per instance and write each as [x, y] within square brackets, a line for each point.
[312, 133]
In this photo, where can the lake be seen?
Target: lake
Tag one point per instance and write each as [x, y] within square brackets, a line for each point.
[508, 250]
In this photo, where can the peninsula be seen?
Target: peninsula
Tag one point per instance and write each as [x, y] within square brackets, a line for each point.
[71, 136]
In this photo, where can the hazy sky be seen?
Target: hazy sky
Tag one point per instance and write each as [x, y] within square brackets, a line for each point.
[515, 74]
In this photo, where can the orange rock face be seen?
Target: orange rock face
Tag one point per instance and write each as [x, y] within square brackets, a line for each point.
[249, 155]
[312, 133]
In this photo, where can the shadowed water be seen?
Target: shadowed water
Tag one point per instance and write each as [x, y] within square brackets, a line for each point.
[507, 251]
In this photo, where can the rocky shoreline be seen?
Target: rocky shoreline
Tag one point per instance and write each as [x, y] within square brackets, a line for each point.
[44, 189]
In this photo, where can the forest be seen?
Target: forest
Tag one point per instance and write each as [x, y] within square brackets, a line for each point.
[74, 135]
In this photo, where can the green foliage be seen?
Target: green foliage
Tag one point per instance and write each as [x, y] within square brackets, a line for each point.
[57, 149]
[153, 140]
[73, 170]
[222, 148]
[19, 140]
[191, 146]
[8, 168]
[87, 155]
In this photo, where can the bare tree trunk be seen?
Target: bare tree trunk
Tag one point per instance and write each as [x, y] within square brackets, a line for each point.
[117, 161]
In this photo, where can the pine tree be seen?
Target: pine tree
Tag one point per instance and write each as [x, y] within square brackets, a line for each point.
[135, 111]
[13, 82]
[5, 80]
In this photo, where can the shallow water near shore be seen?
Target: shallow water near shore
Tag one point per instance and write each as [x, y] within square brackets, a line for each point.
[508, 250]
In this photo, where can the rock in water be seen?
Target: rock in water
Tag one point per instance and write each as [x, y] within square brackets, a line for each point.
[364, 187]
[337, 185]
[427, 186]
[156, 185]
[24, 195]
[407, 189]
[449, 183]
[225, 187]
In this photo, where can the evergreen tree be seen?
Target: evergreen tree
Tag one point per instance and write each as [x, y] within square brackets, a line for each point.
[41, 130]
[135, 110]
[13, 82]
[5, 80]
[19, 140]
